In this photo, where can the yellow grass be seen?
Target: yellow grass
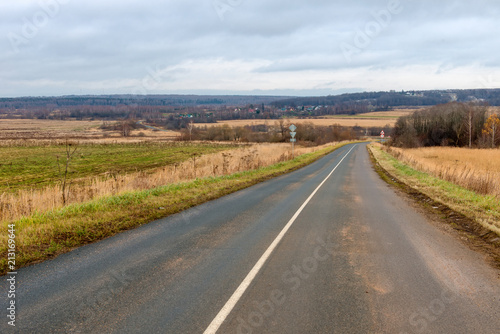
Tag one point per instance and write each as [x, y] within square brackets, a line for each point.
[396, 113]
[316, 121]
[47, 125]
[372, 119]
[25, 202]
[42, 129]
[474, 169]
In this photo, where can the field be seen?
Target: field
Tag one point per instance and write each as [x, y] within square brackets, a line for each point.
[379, 115]
[40, 129]
[37, 166]
[374, 119]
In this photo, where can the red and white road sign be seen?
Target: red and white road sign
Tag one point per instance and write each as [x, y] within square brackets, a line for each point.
[382, 134]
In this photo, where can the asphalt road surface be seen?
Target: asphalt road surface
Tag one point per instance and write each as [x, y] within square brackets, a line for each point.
[329, 248]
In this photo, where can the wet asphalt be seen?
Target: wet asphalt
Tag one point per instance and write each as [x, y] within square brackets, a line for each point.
[358, 259]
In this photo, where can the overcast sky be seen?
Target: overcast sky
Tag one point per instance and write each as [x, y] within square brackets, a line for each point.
[279, 47]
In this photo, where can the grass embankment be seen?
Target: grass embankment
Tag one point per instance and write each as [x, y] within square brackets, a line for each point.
[44, 235]
[482, 209]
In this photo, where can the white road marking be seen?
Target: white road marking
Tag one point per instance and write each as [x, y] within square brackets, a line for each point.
[228, 307]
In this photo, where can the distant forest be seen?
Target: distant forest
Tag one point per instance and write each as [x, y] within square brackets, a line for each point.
[383, 100]
[133, 100]
[217, 107]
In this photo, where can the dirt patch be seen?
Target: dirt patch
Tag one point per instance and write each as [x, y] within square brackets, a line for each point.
[469, 232]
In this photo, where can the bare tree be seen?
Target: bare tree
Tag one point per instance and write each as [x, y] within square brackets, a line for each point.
[469, 126]
[190, 129]
[64, 171]
[126, 127]
[283, 128]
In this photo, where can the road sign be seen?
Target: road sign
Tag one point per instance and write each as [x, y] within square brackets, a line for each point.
[382, 134]
[293, 134]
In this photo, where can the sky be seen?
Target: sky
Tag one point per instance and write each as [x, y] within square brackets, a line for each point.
[264, 47]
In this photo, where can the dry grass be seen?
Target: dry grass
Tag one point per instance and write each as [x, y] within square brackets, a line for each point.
[316, 121]
[36, 128]
[474, 169]
[24, 203]
[396, 113]
[40, 129]
[374, 119]
[393, 114]
[47, 125]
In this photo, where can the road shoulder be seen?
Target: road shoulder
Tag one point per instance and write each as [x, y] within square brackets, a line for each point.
[475, 236]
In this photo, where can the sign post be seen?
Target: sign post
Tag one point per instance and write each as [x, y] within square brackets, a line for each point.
[382, 135]
[293, 134]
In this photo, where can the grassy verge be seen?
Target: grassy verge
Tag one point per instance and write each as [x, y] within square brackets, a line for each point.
[46, 235]
[484, 210]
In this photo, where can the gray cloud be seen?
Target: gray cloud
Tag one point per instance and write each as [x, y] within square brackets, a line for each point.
[56, 47]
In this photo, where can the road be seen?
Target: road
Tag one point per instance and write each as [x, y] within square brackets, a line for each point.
[353, 258]
[151, 127]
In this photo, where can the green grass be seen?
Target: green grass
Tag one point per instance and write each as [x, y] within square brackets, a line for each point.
[45, 235]
[36, 166]
[484, 209]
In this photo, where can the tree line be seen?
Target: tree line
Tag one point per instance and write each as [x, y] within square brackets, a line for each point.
[278, 131]
[451, 124]
[33, 103]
